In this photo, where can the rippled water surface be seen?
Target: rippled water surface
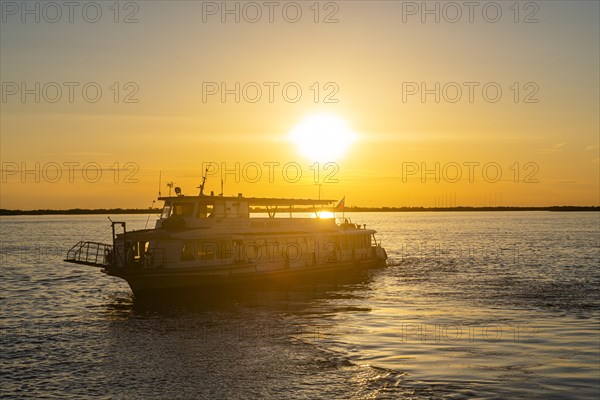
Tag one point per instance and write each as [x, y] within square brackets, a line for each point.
[474, 305]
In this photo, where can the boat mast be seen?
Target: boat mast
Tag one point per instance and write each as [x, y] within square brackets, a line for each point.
[201, 187]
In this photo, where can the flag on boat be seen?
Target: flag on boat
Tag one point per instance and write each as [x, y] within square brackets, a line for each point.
[342, 203]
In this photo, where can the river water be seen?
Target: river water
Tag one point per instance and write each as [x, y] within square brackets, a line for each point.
[473, 305]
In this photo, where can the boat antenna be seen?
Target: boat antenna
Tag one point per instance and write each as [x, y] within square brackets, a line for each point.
[149, 213]
[159, 179]
[222, 182]
[201, 187]
[170, 185]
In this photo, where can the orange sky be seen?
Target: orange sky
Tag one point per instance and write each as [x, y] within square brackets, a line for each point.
[418, 94]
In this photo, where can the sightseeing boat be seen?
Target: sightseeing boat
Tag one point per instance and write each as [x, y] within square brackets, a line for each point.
[208, 240]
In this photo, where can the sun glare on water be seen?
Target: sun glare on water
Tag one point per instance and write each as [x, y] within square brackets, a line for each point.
[322, 137]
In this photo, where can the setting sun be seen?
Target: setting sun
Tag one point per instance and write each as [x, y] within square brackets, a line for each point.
[325, 214]
[322, 137]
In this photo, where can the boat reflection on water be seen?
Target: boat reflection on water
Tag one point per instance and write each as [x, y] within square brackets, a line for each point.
[239, 341]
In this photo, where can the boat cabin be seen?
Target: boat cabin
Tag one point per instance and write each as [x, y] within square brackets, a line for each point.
[203, 211]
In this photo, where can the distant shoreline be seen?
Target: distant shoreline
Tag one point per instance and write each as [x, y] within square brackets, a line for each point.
[82, 211]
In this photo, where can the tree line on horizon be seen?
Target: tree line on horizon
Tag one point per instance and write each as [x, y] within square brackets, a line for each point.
[82, 211]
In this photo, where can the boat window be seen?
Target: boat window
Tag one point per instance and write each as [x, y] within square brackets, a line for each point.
[361, 241]
[139, 249]
[204, 211]
[207, 250]
[352, 241]
[237, 249]
[218, 211]
[224, 249]
[251, 250]
[311, 243]
[187, 251]
[328, 243]
[166, 213]
[183, 210]
[345, 245]
[364, 241]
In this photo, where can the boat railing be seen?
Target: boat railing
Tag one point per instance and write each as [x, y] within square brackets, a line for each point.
[90, 253]
[346, 223]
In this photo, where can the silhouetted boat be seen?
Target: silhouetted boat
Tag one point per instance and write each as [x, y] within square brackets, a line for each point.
[202, 241]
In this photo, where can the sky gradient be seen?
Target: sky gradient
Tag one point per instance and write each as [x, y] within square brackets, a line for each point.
[419, 95]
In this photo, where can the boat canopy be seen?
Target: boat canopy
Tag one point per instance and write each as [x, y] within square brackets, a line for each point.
[251, 201]
[193, 208]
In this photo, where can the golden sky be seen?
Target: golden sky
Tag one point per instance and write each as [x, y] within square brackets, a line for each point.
[435, 103]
